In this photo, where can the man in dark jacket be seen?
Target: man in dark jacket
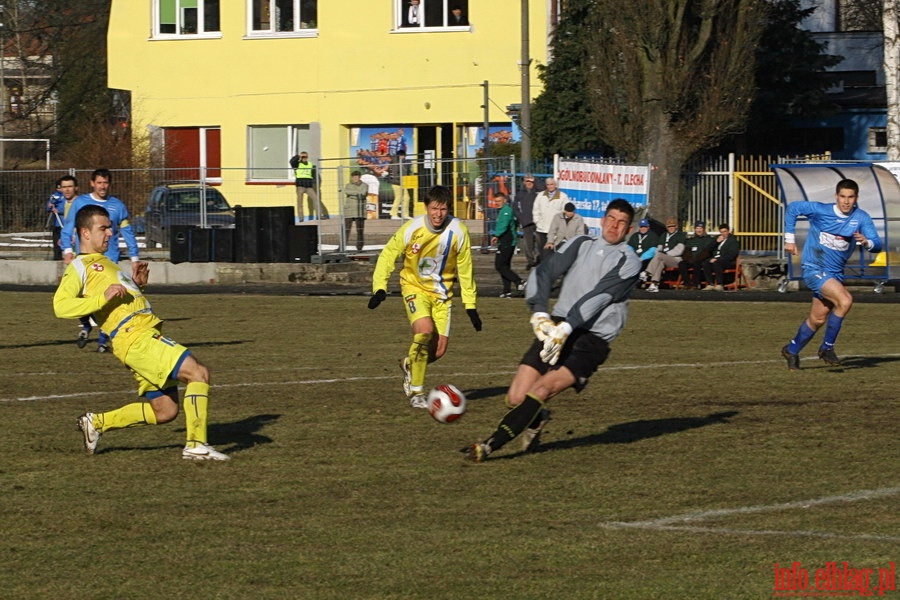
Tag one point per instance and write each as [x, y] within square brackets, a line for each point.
[725, 250]
[522, 207]
[697, 249]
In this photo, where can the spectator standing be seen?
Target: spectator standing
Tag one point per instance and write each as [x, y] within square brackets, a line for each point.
[835, 231]
[305, 180]
[523, 207]
[355, 195]
[457, 18]
[548, 203]
[371, 181]
[58, 205]
[644, 241]
[504, 237]
[413, 16]
[668, 254]
[565, 226]
[405, 167]
[697, 249]
[725, 251]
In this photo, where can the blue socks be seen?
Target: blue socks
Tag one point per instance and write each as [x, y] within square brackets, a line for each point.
[832, 329]
[804, 334]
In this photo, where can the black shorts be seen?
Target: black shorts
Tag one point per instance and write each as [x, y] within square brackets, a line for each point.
[582, 354]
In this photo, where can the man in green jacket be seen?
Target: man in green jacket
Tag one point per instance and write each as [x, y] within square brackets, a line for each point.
[504, 237]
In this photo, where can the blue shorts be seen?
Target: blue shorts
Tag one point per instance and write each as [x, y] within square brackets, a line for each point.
[814, 280]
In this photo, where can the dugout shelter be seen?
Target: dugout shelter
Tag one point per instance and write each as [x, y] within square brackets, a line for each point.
[879, 195]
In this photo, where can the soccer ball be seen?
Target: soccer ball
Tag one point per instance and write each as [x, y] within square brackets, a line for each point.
[446, 403]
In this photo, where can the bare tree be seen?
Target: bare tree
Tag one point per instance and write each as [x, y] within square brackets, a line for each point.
[670, 78]
[891, 76]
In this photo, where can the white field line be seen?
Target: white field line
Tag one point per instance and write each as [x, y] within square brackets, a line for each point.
[768, 532]
[681, 521]
[704, 365]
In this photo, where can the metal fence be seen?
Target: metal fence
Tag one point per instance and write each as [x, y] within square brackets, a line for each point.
[740, 191]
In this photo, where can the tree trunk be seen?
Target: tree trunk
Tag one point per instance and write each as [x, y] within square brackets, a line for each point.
[891, 76]
[666, 156]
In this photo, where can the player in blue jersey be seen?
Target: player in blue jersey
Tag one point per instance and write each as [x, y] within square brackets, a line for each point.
[93, 284]
[118, 215]
[835, 230]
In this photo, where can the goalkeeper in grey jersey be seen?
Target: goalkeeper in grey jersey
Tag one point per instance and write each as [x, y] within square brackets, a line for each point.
[572, 340]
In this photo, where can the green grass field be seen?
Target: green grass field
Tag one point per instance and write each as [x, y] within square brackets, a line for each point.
[690, 466]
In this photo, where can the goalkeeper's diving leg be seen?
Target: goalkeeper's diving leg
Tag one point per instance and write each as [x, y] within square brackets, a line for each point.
[527, 395]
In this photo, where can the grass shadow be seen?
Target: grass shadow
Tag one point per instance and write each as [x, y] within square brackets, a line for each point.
[227, 437]
[866, 362]
[243, 434]
[486, 392]
[636, 431]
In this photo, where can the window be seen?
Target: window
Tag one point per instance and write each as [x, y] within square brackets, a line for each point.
[412, 15]
[272, 146]
[877, 139]
[176, 18]
[283, 16]
[188, 149]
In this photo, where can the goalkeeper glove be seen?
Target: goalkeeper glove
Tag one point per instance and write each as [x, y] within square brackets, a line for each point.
[542, 324]
[377, 298]
[473, 316]
[555, 341]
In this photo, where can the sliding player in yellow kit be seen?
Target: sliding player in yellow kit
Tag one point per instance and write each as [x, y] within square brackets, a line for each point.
[436, 251]
[94, 285]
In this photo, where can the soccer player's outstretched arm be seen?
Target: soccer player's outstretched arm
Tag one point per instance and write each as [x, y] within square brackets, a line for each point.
[385, 266]
[67, 301]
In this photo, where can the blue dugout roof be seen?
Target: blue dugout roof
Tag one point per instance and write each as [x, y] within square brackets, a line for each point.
[879, 195]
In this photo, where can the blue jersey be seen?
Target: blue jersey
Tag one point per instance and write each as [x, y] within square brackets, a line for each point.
[118, 215]
[830, 242]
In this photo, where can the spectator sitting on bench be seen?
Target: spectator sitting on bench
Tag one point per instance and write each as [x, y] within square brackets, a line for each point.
[697, 249]
[668, 254]
[725, 250]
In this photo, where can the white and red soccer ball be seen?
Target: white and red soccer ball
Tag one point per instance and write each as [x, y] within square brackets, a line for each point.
[446, 403]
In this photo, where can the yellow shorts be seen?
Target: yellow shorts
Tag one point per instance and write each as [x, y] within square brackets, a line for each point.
[419, 305]
[154, 361]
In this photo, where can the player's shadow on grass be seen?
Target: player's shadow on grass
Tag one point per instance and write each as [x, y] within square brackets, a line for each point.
[214, 344]
[241, 435]
[485, 393]
[226, 437]
[636, 431]
[863, 362]
[72, 343]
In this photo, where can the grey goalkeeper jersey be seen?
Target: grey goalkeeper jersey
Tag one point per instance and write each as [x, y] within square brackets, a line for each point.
[598, 280]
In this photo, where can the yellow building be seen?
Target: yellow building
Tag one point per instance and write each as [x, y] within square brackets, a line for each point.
[239, 87]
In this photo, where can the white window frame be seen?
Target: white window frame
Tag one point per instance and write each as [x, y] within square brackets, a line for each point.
[180, 12]
[271, 32]
[400, 8]
[873, 146]
[268, 162]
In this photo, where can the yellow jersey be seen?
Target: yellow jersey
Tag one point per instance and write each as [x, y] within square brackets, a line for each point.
[432, 260]
[81, 293]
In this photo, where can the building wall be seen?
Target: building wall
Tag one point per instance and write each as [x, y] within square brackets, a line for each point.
[359, 70]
